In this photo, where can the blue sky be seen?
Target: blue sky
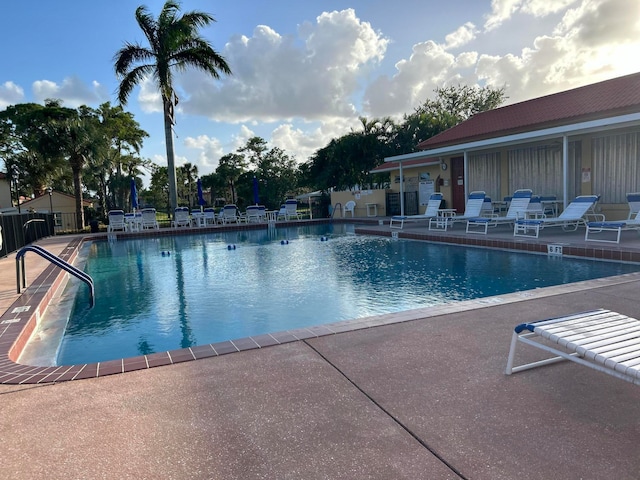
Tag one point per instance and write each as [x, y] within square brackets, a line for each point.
[304, 71]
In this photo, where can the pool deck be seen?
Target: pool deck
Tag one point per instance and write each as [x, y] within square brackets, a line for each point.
[420, 396]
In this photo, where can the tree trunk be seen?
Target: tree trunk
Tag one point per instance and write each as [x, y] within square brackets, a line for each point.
[171, 166]
[77, 190]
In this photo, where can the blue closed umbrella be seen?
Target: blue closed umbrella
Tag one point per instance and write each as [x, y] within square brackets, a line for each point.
[256, 198]
[201, 201]
[134, 195]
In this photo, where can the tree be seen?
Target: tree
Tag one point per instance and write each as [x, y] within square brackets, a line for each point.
[188, 176]
[27, 146]
[230, 167]
[174, 45]
[78, 138]
[122, 160]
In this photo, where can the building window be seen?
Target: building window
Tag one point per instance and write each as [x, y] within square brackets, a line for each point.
[615, 166]
[540, 169]
[484, 174]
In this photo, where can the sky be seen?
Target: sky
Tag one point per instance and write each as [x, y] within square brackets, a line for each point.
[303, 72]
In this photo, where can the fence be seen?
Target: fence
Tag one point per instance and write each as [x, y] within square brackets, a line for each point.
[19, 230]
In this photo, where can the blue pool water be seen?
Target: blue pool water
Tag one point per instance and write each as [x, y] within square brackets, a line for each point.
[202, 292]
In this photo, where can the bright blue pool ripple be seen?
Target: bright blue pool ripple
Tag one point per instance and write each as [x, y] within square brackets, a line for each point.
[204, 293]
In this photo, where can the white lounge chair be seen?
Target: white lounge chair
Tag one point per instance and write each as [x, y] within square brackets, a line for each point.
[149, 220]
[517, 209]
[431, 211]
[570, 219]
[181, 217]
[292, 209]
[282, 213]
[116, 221]
[229, 214]
[633, 199]
[603, 230]
[447, 217]
[253, 214]
[349, 207]
[209, 216]
[606, 341]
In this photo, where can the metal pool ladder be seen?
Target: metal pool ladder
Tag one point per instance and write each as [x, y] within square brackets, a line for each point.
[21, 276]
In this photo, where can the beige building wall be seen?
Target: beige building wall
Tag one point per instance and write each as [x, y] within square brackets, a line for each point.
[62, 203]
[375, 199]
[5, 194]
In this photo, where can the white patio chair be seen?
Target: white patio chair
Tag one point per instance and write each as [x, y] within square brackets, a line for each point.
[116, 221]
[149, 220]
[349, 207]
[181, 217]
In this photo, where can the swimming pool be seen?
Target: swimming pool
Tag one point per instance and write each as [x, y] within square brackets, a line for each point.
[199, 291]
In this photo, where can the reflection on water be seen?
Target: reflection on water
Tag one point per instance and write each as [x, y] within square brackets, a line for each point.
[171, 292]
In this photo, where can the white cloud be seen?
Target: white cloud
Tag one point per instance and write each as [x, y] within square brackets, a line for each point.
[503, 10]
[209, 149]
[73, 92]
[10, 94]
[149, 97]
[429, 66]
[461, 36]
[593, 41]
[312, 75]
[301, 143]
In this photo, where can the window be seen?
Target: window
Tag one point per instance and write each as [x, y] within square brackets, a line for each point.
[540, 169]
[615, 166]
[484, 174]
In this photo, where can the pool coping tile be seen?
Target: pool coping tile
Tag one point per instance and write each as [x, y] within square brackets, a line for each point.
[16, 324]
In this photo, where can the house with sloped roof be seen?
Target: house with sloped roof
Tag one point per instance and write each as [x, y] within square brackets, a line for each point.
[577, 142]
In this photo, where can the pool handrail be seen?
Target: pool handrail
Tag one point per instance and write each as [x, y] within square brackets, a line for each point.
[21, 277]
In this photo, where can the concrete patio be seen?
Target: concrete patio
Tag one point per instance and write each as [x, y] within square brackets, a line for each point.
[422, 399]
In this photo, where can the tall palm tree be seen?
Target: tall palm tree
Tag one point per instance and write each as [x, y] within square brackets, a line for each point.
[174, 44]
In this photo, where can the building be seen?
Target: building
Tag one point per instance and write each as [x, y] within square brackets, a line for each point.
[61, 204]
[5, 192]
[577, 142]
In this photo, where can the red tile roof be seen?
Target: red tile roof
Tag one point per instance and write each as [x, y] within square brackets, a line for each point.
[614, 97]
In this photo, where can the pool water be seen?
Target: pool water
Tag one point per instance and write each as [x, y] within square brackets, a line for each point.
[173, 292]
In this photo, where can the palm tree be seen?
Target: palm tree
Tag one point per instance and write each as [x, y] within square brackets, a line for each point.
[174, 44]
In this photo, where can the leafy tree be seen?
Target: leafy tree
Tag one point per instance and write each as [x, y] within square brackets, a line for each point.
[112, 172]
[26, 145]
[188, 176]
[451, 106]
[174, 45]
[158, 192]
[230, 168]
[78, 138]
[215, 184]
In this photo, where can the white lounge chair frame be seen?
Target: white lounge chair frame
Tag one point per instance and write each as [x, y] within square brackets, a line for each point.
[633, 199]
[149, 220]
[447, 217]
[209, 216]
[181, 217]
[570, 219]
[606, 341]
[605, 227]
[292, 209]
[517, 209]
[116, 221]
[431, 211]
[230, 214]
[253, 214]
